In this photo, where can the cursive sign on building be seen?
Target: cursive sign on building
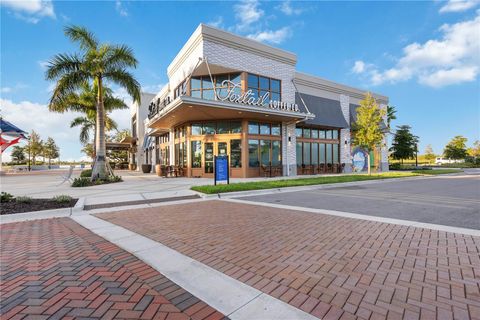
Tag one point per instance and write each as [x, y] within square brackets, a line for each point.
[249, 98]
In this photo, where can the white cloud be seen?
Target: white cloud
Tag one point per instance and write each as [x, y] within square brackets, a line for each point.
[6, 90]
[30, 116]
[452, 59]
[30, 10]
[458, 5]
[286, 8]
[247, 12]
[272, 36]
[217, 23]
[120, 8]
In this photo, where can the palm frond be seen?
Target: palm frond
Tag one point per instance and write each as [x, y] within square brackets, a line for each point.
[120, 56]
[112, 103]
[81, 35]
[126, 80]
[67, 85]
[110, 124]
[62, 64]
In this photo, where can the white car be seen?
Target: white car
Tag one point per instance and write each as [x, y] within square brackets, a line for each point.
[440, 161]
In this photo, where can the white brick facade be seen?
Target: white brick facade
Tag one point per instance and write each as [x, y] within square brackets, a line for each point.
[345, 148]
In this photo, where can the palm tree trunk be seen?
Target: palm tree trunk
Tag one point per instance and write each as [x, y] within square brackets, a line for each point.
[99, 168]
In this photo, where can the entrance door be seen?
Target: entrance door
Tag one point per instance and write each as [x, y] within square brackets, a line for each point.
[209, 157]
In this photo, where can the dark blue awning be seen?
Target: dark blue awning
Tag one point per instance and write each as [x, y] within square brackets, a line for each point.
[8, 128]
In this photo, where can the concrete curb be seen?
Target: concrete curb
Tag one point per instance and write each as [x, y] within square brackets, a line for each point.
[236, 194]
[35, 215]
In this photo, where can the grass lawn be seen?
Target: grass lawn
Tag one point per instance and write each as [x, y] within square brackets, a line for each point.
[439, 171]
[273, 184]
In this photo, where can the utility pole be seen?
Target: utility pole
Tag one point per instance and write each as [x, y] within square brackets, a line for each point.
[28, 154]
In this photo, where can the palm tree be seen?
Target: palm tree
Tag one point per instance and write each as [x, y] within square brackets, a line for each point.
[391, 115]
[85, 102]
[96, 63]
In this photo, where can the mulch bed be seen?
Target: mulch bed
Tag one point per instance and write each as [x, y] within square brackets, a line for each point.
[11, 207]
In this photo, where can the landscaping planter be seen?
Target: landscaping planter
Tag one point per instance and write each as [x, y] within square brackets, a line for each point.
[132, 166]
[146, 168]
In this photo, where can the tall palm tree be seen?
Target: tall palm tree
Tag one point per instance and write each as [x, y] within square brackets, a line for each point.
[391, 115]
[97, 63]
[85, 101]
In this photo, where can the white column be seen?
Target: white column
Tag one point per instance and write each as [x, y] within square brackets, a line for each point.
[345, 143]
[171, 142]
[384, 147]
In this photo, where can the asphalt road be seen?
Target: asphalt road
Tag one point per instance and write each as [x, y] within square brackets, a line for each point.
[452, 200]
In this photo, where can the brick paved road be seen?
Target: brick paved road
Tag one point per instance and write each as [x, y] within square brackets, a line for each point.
[329, 266]
[56, 269]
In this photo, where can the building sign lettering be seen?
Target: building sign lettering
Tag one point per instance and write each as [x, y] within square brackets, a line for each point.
[249, 98]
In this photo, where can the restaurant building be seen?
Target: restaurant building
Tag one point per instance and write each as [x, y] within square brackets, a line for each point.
[230, 95]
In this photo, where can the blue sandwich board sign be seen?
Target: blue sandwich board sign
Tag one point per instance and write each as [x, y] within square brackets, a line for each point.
[221, 169]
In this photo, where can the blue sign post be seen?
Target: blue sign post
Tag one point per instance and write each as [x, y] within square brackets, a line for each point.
[221, 172]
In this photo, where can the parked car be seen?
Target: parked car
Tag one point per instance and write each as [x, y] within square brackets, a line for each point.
[440, 161]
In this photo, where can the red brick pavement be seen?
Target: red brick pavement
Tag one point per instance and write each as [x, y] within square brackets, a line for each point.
[56, 269]
[331, 267]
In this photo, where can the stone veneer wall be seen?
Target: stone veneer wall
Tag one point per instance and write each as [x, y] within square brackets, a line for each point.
[345, 149]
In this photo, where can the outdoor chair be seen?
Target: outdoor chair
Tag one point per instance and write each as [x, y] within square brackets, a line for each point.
[321, 168]
[342, 168]
[329, 167]
[163, 171]
[265, 170]
[67, 176]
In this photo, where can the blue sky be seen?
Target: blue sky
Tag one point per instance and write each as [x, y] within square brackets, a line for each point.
[424, 55]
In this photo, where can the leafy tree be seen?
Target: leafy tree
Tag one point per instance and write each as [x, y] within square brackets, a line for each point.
[97, 63]
[35, 146]
[404, 144]
[88, 123]
[429, 155]
[474, 151]
[367, 130]
[18, 154]
[119, 156]
[456, 149]
[88, 150]
[391, 115]
[51, 150]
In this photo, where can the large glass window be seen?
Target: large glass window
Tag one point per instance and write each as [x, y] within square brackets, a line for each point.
[223, 127]
[334, 134]
[202, 86]
[264, 128]
[322, 153]
[335, 153]
[196, 154]
[276, 131]
[236, 127]
[315, 153]
[253, 154]
[261, 86]
[329, 134]
[306, 153]
[236, 153]
[314, 134]
[253, 128]
[298, 132]
[306, 133]
[196, 129]
[265, 152]
[321, 134]
[299, 154]
[209, 128]
[329, 153]
[276, 153]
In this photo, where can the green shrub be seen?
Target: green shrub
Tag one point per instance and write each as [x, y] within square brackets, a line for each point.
[63, 198]
[6, 197]
[81, 182]
[23, 199]
[87, 173]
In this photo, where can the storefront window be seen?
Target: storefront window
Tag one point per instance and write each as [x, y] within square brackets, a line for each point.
[329, 134]
[315, 153]
[321, 134]
[314, 134]
[209, 128]
[253, 128]
[276, 130]
[262, 85]
[329, 153]
[306, 132]
[236, 153]
[275, 85]
[236, 127]
[264, 128]
[298, 132]
[253, 154]
[335, 153]
[306, 153]
[196, 129]
[223, 127]
[265, 152]
[196, 154]
[299, 154]
[334, 134]
[322, 153]
[276, 153]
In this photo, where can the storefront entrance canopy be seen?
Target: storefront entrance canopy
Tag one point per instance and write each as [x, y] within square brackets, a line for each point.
[328, 113]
